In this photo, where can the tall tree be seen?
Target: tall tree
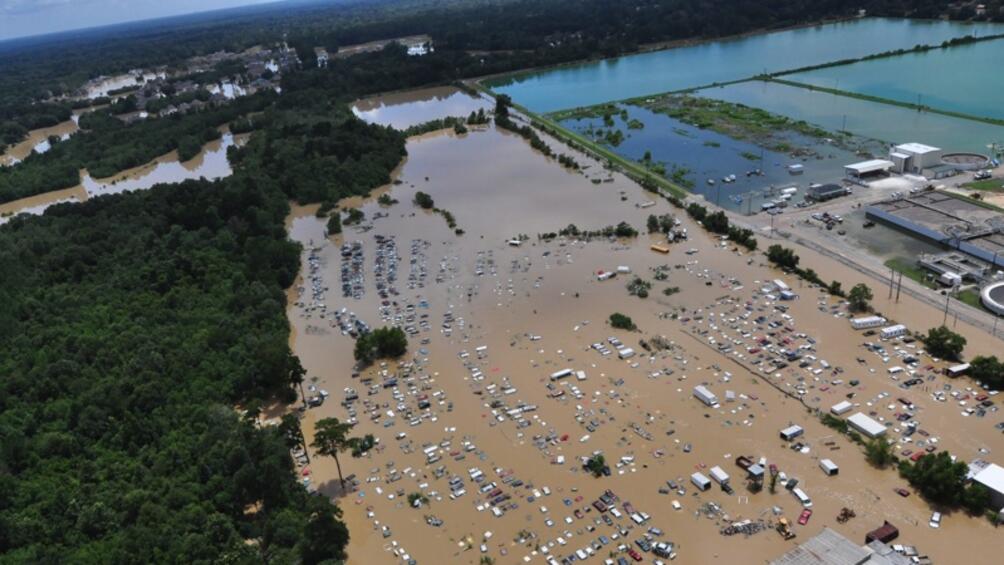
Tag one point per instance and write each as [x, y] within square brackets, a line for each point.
[332, 437]
[859, 297]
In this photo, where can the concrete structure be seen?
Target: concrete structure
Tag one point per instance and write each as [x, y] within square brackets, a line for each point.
[914, 158]
[868, 170]
[824, 192]
[991, 476]
[866, 322]
[946, 219]
[830, 548]
[969, 268]
[866, 425]
[992, 297]
[841, 408]
[791, 432]
[702, 393]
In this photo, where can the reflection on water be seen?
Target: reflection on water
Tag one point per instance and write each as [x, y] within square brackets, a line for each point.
[401, 110]
[720, 61]
[965, 82]
[870, 119]
[38, 141]
[709, 157]
[210, 164]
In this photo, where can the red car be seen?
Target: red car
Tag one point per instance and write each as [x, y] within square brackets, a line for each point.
[634, 554]
[902, 492]
[803, 518]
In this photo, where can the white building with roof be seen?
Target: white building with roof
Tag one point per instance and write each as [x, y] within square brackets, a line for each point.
[868, 170]
[913, 158]
[866, 425]
[991, 476]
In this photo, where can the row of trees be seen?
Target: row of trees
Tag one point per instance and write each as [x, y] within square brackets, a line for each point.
[718, 222]
[858, 298]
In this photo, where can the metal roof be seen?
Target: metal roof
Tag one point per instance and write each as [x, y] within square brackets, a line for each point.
[916, 148]
[826, 548]
[870, 166]
[992, 477]
[866, 424]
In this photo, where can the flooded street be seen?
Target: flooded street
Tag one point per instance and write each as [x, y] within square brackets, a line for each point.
[471, 420]
[211, 163]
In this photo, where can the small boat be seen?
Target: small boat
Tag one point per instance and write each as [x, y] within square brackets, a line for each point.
[711, 182]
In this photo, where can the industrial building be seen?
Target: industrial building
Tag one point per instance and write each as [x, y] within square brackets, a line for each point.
[828, 547]
[917, 159]
[992, 297]
[948, 220]
[865, 171]
[824, 192]
[866, 425]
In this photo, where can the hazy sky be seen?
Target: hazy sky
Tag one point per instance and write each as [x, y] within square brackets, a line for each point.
[33, 17]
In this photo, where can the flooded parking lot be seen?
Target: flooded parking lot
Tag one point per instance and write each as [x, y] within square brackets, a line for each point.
[506, 387]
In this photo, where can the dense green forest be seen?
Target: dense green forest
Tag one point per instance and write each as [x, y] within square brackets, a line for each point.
[131, 326]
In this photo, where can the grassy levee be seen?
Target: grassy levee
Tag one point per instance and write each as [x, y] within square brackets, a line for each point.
[889, 101]
[633, 170]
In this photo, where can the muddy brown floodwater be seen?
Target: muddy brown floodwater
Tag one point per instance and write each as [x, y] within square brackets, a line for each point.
[491, 321]
[211, 163]
[38, 140]
[405, 109]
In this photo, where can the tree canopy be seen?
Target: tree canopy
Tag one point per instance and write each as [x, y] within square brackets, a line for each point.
[944, 343]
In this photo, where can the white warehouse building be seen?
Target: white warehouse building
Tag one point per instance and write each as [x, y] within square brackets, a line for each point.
[914, 158]
[866, 425]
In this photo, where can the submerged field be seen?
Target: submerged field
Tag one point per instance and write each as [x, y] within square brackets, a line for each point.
[700, 143]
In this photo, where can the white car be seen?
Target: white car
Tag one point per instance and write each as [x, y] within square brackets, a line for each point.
[935, 520]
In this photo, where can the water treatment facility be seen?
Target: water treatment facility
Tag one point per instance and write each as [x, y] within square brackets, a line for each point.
[947, 219]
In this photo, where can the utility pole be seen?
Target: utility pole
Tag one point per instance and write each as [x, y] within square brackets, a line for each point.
[944, 320]
[899, 287]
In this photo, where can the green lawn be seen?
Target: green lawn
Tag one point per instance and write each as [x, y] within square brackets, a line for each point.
[991, 185]
[912, 270]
